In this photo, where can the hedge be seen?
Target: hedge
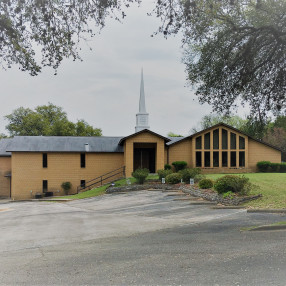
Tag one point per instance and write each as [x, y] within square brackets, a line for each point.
[268, 167]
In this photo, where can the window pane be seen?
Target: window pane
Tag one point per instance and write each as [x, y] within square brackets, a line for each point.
[207, 159]
[216, 139]
[216, 159]
[82, 183]
[199, 142]
[207, 141]
[233, 159]
[45, 160]
[241, 143]
[241, 159]
[198, 159]
[224, 139]
[232, 141]
[224, 159]
[82, 160]
[45, 186]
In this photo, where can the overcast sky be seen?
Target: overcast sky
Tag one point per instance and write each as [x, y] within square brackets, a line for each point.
[104, 88]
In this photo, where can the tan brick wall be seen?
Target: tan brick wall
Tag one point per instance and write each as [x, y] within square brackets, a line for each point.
[143, 138]
[28, 173]
[181, 152]
[260, 152]
[5, 168]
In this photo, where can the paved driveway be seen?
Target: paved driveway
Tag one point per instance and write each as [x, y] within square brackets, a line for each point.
[139, 238]
[35, 224]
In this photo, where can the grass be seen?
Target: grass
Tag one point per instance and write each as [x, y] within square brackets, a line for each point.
[254, 227]
[272, 186]
[101, 190]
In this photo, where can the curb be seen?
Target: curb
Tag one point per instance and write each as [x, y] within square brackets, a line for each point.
[269, 227]
[267, 211]
[227, 207]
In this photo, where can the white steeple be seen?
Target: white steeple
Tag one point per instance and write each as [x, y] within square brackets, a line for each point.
[142, 117]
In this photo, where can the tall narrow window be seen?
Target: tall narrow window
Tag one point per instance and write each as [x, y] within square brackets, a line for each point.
[45, 160]
[233, 159]
[207, 159]
[224, 159]
[224, 139]
[198, 159]
[242, 159]
[199, 142]
[216, 139]
[216, 159]
[82, 183]
[82, 160]
[232, 141]
[208, 141]
[241, 143]
[45, 186]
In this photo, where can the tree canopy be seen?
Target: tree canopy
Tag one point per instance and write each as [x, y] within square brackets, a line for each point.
[47, 120]
[172, 134]
[235, 50]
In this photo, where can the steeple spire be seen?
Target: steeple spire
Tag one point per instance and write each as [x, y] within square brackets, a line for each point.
[142, 117]
[142, 107]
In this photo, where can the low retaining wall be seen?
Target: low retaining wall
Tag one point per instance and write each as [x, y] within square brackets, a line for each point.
[215, 197]
[196, 192]
[133, 188]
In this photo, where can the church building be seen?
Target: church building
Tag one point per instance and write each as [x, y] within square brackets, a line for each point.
[38, 165]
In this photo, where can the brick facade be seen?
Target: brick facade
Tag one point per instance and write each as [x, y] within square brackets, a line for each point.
[5, 169]
[28, 172]
[217, 150]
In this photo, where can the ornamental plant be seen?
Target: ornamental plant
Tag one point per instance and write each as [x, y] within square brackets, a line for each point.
[140, 175]
[189, 173]
[167, 167]
[163, 173]
[235, 184]
[66, 186]
[205, 184]
[179, 165]
[174, 178]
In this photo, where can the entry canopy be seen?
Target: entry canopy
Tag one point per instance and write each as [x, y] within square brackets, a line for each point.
[121, 142]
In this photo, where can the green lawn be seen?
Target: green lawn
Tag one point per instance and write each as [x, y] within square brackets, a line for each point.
[101, 190]
[272, 186]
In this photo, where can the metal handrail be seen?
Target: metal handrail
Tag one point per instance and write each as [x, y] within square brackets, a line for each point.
[101, 179]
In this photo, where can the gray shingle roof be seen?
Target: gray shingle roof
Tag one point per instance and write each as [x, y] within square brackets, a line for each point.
[174, 139]
[64, 144]
[3, 147]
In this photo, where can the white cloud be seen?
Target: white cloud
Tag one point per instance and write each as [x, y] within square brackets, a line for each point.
[104, 88]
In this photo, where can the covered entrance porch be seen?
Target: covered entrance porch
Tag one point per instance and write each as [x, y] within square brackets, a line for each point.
[145, 156]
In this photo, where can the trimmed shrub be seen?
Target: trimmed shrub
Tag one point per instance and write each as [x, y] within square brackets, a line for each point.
[283, 167]
[164, 173]
[274, 167]
[174, 178]
[263, 166]
[235, 184]
[167, 167]
[140, 175]
[187, 174]
[267, 166]
[206, 184]
[66, 186]
[179, 165]
[199, 177]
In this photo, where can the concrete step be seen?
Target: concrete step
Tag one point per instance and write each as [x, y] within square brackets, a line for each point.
[176, 194]
[202, 203]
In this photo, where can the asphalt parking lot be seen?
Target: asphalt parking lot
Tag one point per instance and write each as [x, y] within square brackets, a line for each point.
[139, 238]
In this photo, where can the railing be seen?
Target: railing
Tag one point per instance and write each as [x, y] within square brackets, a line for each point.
[102, 179]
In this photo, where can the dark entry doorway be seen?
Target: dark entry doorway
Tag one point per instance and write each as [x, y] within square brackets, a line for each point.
[145, 156]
